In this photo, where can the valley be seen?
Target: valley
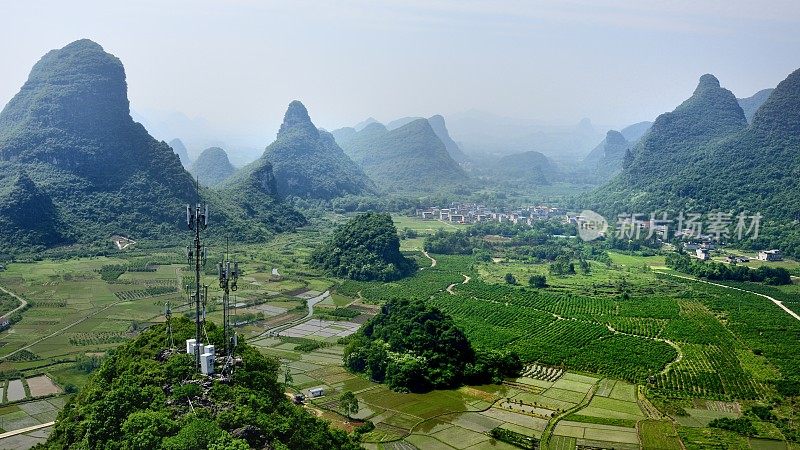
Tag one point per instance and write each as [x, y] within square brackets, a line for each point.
[399, 225]
[658, 365]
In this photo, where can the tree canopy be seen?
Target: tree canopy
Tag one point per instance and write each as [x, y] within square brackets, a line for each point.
[365, 248]
[414, 347]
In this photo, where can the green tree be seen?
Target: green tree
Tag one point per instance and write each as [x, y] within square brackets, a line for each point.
[510, 278]
[288, 377]
[537, 281]
[349, 403]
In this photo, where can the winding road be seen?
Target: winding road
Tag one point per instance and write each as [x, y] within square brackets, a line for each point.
[433, 261]
[22, 303]
[310, 303]
[772, 299]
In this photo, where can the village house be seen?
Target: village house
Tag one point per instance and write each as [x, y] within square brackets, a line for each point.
[770, 255]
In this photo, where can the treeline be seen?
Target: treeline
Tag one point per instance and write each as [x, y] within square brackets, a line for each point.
[413, 347]
[719, 271]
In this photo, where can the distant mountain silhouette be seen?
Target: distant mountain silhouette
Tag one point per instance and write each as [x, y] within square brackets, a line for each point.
[212, 167]
[479, 133]
[180, 150]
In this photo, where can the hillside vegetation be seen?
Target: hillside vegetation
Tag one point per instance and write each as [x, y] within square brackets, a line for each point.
[90, 171]
[365, 248]
[143, 398]
[704, 157]
[415, 347]
[212, 167]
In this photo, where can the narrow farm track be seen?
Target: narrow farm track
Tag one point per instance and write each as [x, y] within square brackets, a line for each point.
[22, 303]
[551, 425]
[310, 303]
[452, 286]
[433, 260]
[666, 341]
[26, 430]
[773, 300]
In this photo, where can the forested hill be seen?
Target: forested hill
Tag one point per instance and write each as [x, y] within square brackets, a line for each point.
[95, 171]
[675, 141]
[143, 397]
[69, 128]
[212, 167]
[439, 127]
[527, 167]
[708, 160]
[606, 159]
[410, 158]
[308, 163]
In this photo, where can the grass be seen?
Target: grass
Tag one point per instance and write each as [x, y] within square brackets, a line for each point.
[704, 438]
[656, 434]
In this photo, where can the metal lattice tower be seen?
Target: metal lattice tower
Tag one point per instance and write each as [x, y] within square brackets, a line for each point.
[197, 220]
[168, 315]
[228, 277]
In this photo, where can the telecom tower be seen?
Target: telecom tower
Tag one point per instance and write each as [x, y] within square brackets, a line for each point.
[197, 220]
[228, 276]
[168, 315]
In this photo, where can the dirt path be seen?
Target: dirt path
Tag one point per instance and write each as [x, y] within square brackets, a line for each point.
[773, 300]
[666, 341]
[22, 303]
[433, 261]
[310, 302]
[551, 425]
[452, 286]
[26, 430]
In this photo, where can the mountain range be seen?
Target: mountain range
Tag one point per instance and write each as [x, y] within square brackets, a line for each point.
[704, 156]
[480, 133]
[71, 154]
[411, 158]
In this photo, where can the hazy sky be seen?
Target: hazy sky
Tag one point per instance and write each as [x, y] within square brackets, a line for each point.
[239, 63]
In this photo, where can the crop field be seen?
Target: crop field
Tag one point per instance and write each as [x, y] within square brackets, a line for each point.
[463, 418]
[593, 345]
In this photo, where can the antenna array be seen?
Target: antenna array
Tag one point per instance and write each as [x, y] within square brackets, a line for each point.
[228, 277]
[197, 220]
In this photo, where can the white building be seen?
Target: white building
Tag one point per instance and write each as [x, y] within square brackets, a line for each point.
[702, 254]
[316, 392]
[770, 255]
